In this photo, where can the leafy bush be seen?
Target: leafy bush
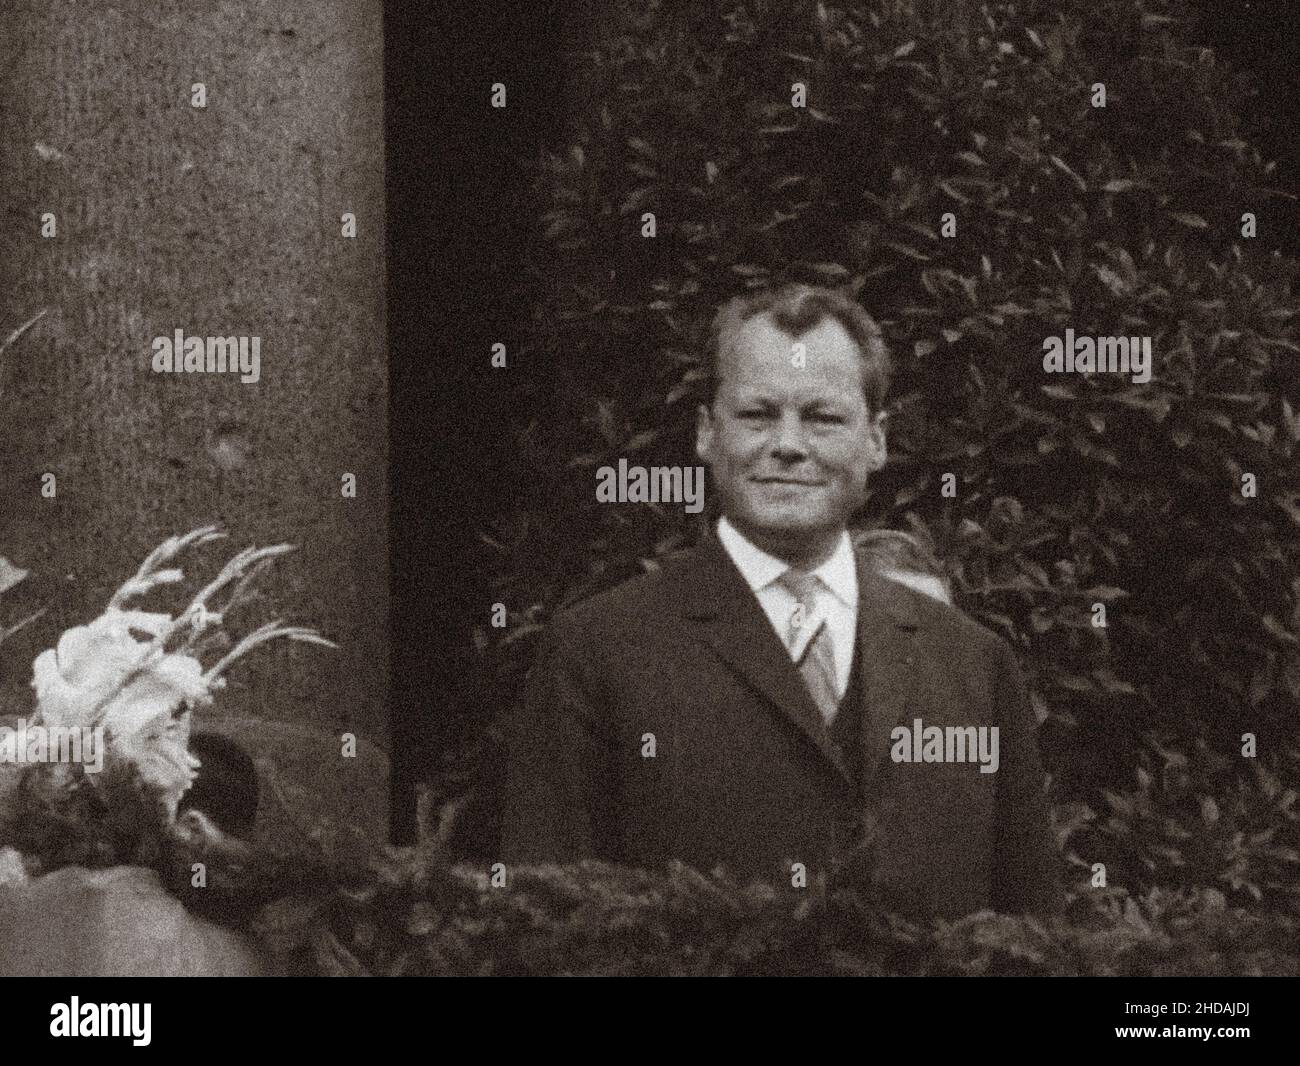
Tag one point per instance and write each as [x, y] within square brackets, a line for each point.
[1243, 840]
[1073, 491]
[410, 916]
[411, 911]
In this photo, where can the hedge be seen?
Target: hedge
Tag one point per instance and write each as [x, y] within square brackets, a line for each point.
[413, 915]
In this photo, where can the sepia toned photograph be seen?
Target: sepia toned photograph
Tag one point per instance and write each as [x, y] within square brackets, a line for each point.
[651, 488]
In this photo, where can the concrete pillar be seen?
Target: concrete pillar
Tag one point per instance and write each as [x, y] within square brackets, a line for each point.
[224, 221]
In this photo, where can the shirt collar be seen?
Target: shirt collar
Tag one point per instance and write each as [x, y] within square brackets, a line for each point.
[839, 573]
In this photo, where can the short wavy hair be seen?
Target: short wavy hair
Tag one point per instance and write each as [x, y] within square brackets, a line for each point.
[796, 308]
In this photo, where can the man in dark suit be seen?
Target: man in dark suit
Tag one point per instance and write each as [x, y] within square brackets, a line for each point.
[768, 702]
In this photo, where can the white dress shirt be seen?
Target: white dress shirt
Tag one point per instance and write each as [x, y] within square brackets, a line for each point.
[837, 596]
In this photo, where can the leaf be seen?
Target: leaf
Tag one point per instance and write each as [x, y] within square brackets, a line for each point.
[1119, 185]
[787, 181]
[1061, 164]
[1268, 781]
[1157, 407]
[1133, 917]
[904, 49]
[1119, 804]
[1106, 592]
[1278, 630]
[830, 270]
[1058, 392]
[333, 959]
[558, 226]
[1195, 221]
[685, 387]
[1110, 279]
[911, 253]
[635, 200]
[10, 575]
[1260, 687]
[1110, 683]
[287, 922]
[5, 634]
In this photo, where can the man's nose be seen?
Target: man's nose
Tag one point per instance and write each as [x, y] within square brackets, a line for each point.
[788, 438]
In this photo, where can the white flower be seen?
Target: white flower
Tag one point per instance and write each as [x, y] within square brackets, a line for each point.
[102, 674]
[155, 693]
[116, 672]
[89, 664]
[160, 750]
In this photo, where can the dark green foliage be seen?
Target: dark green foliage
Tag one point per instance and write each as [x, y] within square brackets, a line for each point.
[413, 917]
[59, 815]
[63, 816]
[1072, 490]
[411, 912]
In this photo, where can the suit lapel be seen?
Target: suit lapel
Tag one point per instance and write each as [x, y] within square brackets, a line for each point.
[717, 599]
[887, 624]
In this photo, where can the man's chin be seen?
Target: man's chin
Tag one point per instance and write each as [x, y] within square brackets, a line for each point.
[787, 529]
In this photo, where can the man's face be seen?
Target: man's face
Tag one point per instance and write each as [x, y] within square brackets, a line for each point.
[789, 439]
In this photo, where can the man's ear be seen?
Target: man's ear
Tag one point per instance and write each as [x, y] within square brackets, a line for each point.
[704, 431]
[876, 441]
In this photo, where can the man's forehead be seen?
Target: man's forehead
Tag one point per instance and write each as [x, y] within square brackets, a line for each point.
[763, 353]
[762, 333]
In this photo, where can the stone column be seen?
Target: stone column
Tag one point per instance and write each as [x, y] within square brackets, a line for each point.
[223, 220]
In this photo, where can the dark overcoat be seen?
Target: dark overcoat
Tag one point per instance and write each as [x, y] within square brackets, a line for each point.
[664, 719]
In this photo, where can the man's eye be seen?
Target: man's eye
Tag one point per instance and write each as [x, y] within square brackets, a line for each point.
[828, 419]
[751, 413]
